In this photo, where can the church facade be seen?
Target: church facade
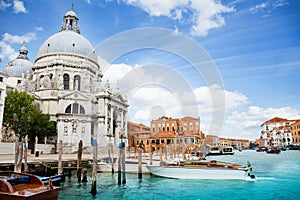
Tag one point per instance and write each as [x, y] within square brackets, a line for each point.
[66, 81]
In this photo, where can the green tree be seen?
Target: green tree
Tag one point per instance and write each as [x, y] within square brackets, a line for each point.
[14, 101]
[40, 124]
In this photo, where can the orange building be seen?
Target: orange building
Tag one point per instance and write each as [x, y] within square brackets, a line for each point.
[235, 143]
[212, 140]
[296, 132]
[182, 131]
[138, 133]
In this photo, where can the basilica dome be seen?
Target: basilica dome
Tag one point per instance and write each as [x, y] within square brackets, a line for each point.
[20, 65]
[68, 41]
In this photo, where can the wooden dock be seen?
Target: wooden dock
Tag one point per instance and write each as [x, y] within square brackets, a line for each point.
[45, 164]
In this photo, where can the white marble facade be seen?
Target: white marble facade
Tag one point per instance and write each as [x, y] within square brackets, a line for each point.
[66, 80]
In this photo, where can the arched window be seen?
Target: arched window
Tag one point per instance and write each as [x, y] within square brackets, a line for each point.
[75, 108]
[76, 85]
[66, 81]
[37, 106]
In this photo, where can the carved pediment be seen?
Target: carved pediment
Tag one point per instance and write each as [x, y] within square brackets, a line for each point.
[120, 98]
[75, 96]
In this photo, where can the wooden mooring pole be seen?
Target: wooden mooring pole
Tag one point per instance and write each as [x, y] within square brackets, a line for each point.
[60, 149]
[150, 152]
[94, 175]
[79, 161]
[119, 167]
[160, 155]
[112, 157]
[123, 164]
[140, 172]
[25, 155]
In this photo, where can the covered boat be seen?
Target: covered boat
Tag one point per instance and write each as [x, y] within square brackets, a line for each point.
[215, 151]
[273, 150]
[20, 186]
[228, 150]
[202, 169]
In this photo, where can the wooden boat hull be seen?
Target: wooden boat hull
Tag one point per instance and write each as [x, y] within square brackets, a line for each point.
[14, 185]
[45, 195]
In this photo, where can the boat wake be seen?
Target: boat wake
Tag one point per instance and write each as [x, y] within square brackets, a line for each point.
[264, 178]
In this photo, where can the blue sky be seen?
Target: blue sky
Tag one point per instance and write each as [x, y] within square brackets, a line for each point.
[252, 46]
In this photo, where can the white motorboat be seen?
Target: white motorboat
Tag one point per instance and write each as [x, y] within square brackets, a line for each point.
[202, 169]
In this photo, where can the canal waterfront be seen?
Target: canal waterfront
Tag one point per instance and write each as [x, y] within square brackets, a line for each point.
[277, 178]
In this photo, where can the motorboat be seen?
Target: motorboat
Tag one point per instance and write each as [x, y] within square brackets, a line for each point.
[214, 151]
[227, 150]
[56, 179]
[273, 150]
[261, 149]
[18, 186]
[202, 169]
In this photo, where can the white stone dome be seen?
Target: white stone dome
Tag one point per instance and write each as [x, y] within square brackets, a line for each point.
[20, 65]
[17, 67]
[67, 42]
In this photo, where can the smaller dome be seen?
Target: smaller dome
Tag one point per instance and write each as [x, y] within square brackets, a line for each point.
[20, 65]
[17, 67]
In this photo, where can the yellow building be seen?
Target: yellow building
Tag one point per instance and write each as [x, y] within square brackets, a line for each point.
[296, 132]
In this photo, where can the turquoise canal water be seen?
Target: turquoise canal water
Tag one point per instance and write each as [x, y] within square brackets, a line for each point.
[278, 177]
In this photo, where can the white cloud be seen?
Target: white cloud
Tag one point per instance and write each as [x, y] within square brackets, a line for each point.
[19, 7]
[267, 7]
[232, 99]
[208, 16]
[7, 51]
[4, 5]
[16, 39]
[114, 72]
[157, 7]
[204, 14]
[258, 8]
[8, 40]
[247, 123]
[38, 28]
[151, 102]
[280, 3]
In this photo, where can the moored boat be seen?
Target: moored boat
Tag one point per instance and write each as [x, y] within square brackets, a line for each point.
[215, 151]
[261, 149]
[227, 150]
[56, 179]
[18, 186]
[202, 169]
[273, 151]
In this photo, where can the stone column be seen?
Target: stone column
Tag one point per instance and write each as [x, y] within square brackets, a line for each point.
[112, 122]
[105, 117]
[124, 125]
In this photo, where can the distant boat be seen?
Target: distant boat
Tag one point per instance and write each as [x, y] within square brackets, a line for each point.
[227, 150]
[202, 169]
[214, 151]
[217, 150]
[261, 149]
[273, 151]
[18, 186]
